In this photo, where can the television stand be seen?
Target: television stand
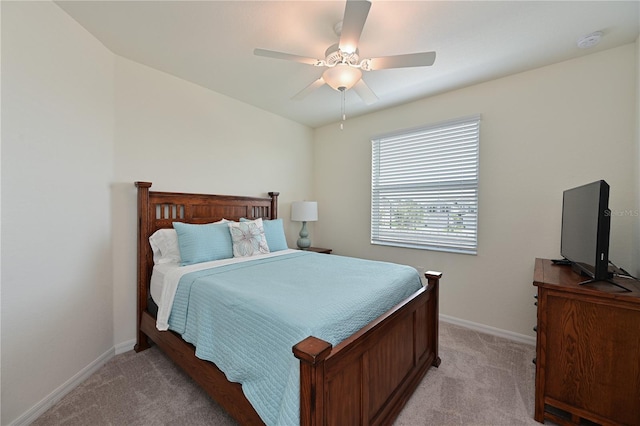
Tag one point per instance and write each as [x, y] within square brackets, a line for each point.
[579, 271]
[587, 349]
[605, 281]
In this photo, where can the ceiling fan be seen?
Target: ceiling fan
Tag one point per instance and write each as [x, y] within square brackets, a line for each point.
[342, 61]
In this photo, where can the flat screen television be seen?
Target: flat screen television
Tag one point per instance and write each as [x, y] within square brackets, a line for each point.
[586, 223]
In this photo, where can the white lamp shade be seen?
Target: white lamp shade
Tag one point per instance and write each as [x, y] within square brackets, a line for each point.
[342, 76]
[304, 211]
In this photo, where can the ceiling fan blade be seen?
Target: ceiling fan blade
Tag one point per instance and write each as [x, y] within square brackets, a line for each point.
[423, 59]
[310, 88]
[355, 15]
[286, 56]
[365, 92]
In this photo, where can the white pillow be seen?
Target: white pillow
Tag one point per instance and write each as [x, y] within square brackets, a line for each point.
[248, 238]
[164, 244]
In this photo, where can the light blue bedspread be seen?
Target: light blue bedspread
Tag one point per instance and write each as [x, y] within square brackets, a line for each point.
[246, 317]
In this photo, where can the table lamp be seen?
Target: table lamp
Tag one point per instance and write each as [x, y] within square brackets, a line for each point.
[304, 211]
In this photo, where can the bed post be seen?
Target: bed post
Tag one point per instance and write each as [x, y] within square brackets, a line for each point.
[143, 261]
[312, 352]
[433, 279]
[274, 204]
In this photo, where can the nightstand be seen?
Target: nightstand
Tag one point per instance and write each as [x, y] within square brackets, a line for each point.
[319, 250]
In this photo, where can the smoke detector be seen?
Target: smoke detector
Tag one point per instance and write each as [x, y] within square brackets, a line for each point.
[589, 40]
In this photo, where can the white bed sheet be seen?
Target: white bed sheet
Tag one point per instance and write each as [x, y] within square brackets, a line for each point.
[166, 276]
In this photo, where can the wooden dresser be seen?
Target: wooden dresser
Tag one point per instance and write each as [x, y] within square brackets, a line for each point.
[588, 349]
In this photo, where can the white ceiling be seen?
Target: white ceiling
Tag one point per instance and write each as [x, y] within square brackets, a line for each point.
[211, 43]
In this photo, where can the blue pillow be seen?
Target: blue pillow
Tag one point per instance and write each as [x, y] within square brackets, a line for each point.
[202, 243]
[274, 233]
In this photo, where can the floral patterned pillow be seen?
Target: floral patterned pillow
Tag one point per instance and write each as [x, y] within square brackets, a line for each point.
[248, 238]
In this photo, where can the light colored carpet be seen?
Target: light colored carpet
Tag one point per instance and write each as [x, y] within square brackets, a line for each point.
[483, 380]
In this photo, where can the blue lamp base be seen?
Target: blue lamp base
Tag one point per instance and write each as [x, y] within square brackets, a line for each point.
[304, 242]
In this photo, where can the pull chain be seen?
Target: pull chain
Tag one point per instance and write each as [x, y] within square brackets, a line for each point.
[343, 108]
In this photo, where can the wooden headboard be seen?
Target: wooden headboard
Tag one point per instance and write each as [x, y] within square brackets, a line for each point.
[158, 210]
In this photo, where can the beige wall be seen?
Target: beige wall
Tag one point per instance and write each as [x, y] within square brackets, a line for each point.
[184, 138]
[542, 131]
[80, 125]
[57, 163]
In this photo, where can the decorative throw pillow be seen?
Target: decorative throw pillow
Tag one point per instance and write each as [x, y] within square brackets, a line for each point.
[274, 233]
[248, 238]
[202, 243]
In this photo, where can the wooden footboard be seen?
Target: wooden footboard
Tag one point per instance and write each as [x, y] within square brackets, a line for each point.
[208, 376]
[365, 380]
[368, 378]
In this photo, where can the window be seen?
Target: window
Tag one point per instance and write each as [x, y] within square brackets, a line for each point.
[424, 187]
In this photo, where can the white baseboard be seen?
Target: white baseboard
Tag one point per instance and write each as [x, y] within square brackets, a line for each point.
[37, 410]
[517, 337]
[125, 346]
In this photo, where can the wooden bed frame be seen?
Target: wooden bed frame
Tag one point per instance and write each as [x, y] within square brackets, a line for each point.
[365, 380]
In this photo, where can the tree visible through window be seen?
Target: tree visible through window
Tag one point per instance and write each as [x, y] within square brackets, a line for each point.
[424, 187]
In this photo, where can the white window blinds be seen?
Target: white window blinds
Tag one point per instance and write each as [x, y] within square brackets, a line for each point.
[424, 187]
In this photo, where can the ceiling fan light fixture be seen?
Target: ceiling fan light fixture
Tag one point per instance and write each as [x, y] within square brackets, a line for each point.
[342, 76]
[349, 49]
